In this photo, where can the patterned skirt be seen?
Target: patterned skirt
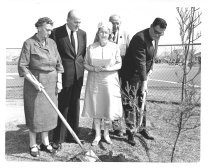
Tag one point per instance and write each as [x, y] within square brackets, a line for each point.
[39, 114]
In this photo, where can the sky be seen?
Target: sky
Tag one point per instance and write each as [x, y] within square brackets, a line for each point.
[136, 15]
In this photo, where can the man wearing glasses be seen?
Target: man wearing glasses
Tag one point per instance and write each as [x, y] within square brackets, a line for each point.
[137, 65]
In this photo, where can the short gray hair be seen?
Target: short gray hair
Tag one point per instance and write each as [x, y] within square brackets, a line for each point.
[43, 20]
[113, 16]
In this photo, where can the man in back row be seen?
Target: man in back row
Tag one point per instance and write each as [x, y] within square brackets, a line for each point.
[122, 38]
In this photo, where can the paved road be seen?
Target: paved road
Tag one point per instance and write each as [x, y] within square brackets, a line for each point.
[170, 75]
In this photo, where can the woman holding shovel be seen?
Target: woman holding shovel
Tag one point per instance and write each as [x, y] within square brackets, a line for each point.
[41, 67]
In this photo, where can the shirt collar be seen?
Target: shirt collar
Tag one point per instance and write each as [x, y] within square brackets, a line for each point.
[69, 30]
[38, 40]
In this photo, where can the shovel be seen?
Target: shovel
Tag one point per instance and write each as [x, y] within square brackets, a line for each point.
[85, 155]
[142, 108]
[141, 113]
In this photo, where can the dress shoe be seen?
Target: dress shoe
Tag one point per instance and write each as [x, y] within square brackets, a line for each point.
[145, 134]
[107, 139]
[46, 148]
[96, 141]
[56, 146]
[131, 140]
[118, 133]
[34, 151]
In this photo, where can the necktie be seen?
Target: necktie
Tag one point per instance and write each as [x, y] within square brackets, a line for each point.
[156, 47]
[115, 37]
[72, 40]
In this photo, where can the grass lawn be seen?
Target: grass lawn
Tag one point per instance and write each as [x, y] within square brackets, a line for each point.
[159, 150]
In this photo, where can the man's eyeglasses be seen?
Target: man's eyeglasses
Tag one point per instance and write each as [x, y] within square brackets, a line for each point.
[157, 32]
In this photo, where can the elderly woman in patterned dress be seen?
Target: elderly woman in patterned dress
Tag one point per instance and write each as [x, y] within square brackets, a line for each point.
[39, 58]
[102, 94]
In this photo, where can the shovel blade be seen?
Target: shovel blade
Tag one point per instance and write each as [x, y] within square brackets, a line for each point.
[91, 156]
[87, 156]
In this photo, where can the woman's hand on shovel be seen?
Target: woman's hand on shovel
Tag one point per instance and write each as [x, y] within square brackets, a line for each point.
[30, 77]
[38, 86]
[59, 87]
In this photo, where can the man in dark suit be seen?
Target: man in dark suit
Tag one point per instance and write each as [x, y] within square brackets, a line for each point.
[71, 42]
[136, 67]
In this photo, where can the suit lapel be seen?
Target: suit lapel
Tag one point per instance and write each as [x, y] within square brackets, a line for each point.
[79, 38]
[67, 40]
[120, 37]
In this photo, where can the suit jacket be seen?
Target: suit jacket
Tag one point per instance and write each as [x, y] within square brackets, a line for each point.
[72, 62]
[123, 41]
[139, 56]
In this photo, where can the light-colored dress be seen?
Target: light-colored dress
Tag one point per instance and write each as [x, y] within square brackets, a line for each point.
[102, 93]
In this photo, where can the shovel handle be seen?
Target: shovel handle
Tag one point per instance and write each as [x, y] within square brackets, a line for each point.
[59, 114]
[63, 119]
[142, 108]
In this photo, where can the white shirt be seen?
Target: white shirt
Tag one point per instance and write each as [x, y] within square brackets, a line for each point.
[153, 43]
[116, 37]
[75, 37]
